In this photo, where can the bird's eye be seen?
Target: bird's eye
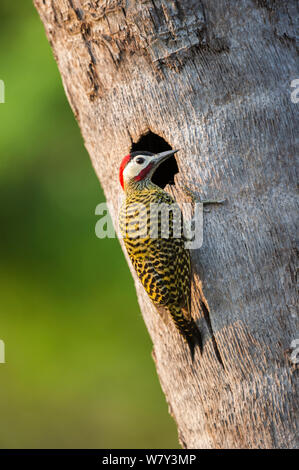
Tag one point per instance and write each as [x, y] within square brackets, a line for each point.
[139, 160]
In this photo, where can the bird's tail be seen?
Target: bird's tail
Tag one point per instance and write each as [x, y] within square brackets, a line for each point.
[187, 328]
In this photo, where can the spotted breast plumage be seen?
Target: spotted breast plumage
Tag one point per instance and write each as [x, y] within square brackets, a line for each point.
[157, 249]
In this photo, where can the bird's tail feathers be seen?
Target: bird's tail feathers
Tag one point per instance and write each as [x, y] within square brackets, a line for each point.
[188, 329]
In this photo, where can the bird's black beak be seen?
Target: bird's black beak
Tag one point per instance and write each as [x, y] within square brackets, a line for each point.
[160, 157]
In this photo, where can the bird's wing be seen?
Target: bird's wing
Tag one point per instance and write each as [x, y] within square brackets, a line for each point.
[164, 269]
[179, 256]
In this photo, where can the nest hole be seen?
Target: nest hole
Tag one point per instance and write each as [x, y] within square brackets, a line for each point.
[154, 143]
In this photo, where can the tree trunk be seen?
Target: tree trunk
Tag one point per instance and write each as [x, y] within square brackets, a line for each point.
[214, 80]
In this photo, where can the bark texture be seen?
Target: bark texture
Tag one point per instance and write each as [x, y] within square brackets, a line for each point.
[213, 79]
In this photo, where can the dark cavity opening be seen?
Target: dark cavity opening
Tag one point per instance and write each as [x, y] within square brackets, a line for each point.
[154, 143]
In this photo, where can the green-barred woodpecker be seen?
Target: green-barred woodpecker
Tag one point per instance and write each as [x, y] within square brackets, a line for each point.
[162, 264]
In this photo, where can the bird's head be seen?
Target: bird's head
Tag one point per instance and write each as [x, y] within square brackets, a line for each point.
[140, 166]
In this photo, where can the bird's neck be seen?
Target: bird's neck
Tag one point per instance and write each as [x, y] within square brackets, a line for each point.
[133, 185]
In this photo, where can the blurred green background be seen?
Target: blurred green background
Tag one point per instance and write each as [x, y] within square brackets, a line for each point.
[78, 370]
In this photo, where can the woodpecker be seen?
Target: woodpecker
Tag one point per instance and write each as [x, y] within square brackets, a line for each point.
[161, 263]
